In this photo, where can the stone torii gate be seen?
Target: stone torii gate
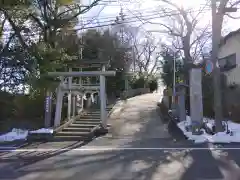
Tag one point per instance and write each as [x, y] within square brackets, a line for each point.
[81, 89]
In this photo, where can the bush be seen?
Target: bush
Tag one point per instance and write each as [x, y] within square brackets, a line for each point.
[138, 82]
[153, 85]
[6, 104]
[144, 82]
[29, 106]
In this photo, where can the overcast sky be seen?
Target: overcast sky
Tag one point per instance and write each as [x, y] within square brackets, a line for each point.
[108, 9]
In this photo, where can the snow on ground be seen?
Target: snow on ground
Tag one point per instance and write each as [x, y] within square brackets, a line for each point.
[19, 134]
[221, 137]
[42, 131]
[15, 134]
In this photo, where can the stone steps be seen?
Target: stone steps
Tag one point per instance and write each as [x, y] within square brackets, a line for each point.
[74, 133]
[77, 129]
[81, 129]
[70, 138]
[89, 121]
[82, 125]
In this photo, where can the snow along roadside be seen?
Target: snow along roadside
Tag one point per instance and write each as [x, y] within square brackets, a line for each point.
[19, 134]
[221, 137]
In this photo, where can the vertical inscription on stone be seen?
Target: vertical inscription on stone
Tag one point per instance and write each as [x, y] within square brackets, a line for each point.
[196, 107]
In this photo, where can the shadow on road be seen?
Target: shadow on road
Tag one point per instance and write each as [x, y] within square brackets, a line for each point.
[171, 162]
[11, 161]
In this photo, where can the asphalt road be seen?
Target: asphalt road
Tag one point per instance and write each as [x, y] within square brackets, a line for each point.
[139, 147]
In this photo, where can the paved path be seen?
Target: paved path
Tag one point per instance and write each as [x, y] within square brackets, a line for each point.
[139, 147]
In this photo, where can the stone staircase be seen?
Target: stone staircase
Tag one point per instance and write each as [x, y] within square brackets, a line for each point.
[81, 129]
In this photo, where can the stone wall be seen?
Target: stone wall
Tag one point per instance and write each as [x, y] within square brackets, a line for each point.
[166, 98]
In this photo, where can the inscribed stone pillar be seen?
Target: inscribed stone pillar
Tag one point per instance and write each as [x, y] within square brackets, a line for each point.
[196, 107]
[48, 109]
[181, 103]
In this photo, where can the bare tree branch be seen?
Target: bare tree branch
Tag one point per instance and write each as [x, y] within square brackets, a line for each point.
[232, 17]
[204, 32]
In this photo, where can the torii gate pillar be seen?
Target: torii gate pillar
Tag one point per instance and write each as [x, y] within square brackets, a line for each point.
[103, 99]
[59, 103]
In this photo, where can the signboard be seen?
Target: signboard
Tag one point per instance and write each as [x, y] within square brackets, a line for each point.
[48, 110]
[209, 67]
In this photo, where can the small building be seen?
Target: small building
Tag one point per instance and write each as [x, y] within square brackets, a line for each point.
[229, 63]
[229, 57]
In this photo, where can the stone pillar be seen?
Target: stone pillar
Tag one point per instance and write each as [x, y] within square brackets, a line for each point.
[126, 83]
[196, 107]
[78, 103]
[82, 100]
[74, 106]
[69, 95]
[181, 105]
[89, 102]
[58, 111]
[103, 99]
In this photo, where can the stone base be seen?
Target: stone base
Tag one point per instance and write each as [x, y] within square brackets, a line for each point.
[198, 132]
[39, 137]
[99, 131]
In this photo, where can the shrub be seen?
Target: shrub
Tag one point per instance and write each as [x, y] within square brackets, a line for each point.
[153, 85]
[29, 106]
[138, 82]
[6, 105]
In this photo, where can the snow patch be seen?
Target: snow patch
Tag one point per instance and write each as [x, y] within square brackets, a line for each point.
[42, 131]
[15, 134]
[19, 134]
[221, 137]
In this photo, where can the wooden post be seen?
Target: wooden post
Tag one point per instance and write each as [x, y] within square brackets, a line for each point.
[103, 99]
[69, 95]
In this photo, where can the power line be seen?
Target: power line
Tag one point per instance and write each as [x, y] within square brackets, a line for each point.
[129, 20]
[147, 10]
[112, 20]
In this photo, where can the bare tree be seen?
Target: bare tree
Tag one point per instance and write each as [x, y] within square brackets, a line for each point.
[146, 57]
[182, 25]
[142, 45]
[190, 38]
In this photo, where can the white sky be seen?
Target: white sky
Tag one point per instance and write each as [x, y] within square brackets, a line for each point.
[109, 9]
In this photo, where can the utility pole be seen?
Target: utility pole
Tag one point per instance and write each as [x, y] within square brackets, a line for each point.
[174, 78]
[134, 59]
[217, 20]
